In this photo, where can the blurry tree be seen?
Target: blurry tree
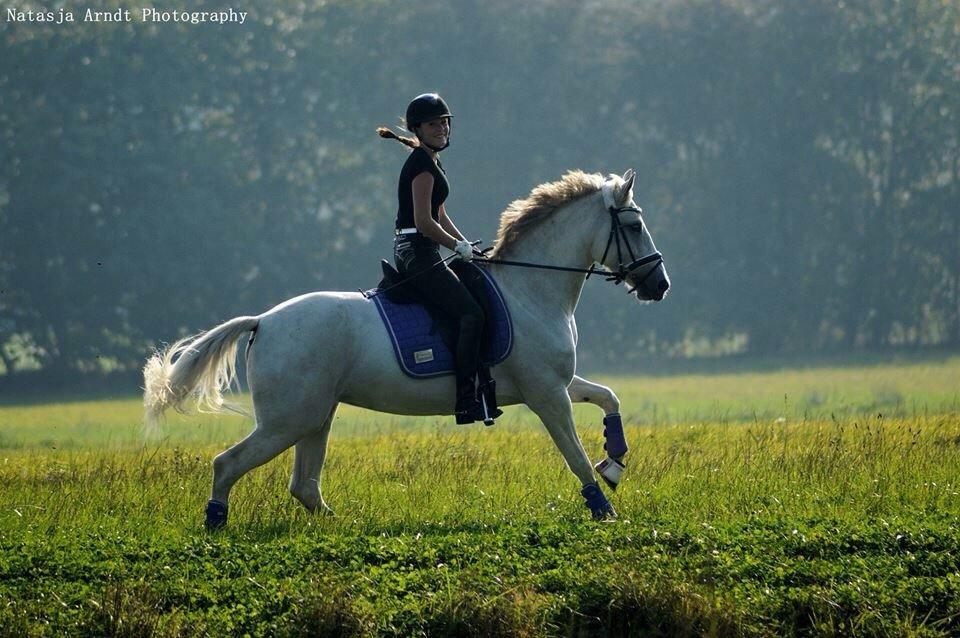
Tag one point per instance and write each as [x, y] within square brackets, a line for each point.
[798, 163]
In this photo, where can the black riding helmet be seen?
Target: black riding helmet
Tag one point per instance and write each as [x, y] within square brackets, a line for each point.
[425, 107]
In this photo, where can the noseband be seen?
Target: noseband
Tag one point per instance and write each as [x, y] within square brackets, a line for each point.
[617, 233]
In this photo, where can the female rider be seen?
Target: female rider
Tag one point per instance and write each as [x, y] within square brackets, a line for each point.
[422, 227]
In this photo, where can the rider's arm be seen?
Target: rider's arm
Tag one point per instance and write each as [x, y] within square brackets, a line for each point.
[448, 224]
[422, 189]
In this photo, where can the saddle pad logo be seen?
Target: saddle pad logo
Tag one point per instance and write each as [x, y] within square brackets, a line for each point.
[423, 356]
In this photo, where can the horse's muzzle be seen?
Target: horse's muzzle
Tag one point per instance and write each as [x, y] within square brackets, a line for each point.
[662, 287]
[653, 286]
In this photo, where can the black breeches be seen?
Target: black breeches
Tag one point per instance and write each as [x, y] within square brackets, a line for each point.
[441, 288]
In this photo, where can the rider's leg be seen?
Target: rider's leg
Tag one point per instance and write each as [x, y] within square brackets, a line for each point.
[441, 288]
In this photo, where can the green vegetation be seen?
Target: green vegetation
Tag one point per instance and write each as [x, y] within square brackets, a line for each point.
[747, 510]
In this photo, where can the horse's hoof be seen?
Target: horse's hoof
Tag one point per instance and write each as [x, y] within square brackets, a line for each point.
[216, 515]
[605, 514]
[600, 508]
[610, 470]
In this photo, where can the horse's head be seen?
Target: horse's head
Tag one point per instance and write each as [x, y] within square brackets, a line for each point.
[626, 247]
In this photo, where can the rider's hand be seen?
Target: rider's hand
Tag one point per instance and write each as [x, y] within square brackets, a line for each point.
[464, 250]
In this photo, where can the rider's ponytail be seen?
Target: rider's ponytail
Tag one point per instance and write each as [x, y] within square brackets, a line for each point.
[387, 134]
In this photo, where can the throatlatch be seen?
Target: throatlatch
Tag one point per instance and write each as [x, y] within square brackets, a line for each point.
[612, 467]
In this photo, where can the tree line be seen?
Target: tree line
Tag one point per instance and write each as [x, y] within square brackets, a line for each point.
[798, 164]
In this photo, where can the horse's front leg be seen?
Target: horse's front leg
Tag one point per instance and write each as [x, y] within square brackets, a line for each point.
[583, 391]
[556, 412]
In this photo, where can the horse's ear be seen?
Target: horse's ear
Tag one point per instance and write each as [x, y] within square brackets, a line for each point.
[623, 191]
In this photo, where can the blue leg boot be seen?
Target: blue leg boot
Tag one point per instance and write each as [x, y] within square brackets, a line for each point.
[615, 442]
[612, 467]
[600, 508]
[216, 515]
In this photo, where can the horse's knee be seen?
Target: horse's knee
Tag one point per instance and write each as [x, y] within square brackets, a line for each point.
[607, 400]
[613, 402]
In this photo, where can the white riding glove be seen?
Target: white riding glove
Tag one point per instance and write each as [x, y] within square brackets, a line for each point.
[464, 250]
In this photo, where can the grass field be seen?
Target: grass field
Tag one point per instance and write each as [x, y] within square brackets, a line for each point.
[808, 502]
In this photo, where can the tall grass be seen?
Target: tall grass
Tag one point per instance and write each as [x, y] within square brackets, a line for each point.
[797, 503]
[844, 469]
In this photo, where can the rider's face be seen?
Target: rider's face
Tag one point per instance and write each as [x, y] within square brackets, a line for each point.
[435, 132]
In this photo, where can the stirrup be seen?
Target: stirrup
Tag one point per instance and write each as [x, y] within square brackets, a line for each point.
[487, 394]
[488, 414]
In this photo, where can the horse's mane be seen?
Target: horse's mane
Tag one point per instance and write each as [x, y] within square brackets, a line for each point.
[542, 202]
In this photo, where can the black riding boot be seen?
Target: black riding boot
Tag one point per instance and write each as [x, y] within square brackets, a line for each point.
[468, 409]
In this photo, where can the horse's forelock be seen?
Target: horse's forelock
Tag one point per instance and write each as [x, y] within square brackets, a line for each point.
[543, 201]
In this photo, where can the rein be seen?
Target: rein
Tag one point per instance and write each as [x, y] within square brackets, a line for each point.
[617, 276]
[380, 291]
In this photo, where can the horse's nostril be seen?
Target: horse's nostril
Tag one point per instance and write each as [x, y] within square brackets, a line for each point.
[663, 286]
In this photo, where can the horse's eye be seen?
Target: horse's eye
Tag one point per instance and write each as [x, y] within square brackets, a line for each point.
[636, 227]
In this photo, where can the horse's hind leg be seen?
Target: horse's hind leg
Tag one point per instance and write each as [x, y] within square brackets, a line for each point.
[259, 447]
[255, 450]
[311, 451]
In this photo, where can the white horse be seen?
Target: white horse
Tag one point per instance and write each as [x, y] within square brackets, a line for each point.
[315, 351]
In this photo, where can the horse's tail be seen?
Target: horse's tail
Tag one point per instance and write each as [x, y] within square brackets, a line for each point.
[205, 363]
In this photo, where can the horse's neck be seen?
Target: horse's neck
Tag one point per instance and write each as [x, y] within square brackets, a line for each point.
[565, 239]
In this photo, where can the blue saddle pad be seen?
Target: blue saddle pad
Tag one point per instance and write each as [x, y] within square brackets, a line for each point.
[422, 354]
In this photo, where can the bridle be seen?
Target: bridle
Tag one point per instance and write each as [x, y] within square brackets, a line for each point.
[616, 234]
[618, 237]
